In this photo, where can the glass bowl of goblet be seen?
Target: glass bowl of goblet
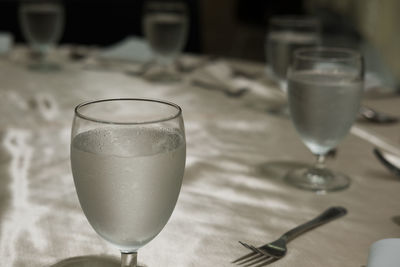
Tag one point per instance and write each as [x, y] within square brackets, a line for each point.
[325, 86]
[286, 33]
[128, 159]
[42, 24]
[165, 25]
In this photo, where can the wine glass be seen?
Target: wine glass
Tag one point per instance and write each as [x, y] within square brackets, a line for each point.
[42, 24]
[165, 25]
[128, 159]
[285, 34]
[324, 89]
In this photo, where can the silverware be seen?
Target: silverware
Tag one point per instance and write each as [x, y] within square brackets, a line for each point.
[384, 158]
[275, 250]
[372, 115]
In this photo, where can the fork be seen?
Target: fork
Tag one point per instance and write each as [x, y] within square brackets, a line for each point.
[277, 249]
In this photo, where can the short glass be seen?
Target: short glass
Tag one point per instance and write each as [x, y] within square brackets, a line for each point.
[325, 86]
[128, 159]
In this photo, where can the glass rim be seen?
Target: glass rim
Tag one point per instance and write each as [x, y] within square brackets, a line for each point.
[41, 3]
[305, 53]
[177, 5]
[163, 119]
[294, 20]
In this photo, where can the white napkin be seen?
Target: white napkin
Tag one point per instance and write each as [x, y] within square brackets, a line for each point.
[131, 55]
[6, 42]
[216, 75]
[220, 76]
[384, 253]
[132, 48]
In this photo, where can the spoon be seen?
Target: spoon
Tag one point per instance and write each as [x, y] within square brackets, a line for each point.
[390, 161]
[372, 115]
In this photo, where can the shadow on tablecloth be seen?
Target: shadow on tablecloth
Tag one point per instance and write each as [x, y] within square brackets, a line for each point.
[89, 261]
[278, 169]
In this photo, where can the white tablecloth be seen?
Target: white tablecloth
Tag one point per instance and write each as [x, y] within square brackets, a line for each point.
[232, 190]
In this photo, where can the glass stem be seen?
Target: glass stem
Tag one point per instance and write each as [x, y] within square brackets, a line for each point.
[42, 58]
[320, 163]
[128, 259]
[42, 55]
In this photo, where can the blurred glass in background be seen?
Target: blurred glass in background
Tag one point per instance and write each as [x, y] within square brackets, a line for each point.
[42, 24]
[236, 28]
[285, 34]
[165, 25]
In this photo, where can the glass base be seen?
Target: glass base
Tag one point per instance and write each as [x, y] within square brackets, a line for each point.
[280, 110]
[44, 66]
[283, 85]
[158, 73]
[91, 261]
[317, 179]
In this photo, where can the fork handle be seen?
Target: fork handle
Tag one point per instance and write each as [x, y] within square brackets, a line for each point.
[327, 216]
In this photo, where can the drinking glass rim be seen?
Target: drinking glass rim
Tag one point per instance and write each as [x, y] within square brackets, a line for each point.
[352, 54]
[295, 20]
[89, 118]
[166, 5]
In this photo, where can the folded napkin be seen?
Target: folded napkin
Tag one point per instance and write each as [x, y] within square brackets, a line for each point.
[385, 253]
[216, 75]
[132, 48]
[131, 55]
[219, 75]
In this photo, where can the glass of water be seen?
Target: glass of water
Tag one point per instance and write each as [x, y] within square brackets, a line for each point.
[128, 159]
[324, 89]
[42, 24]
[285, 34]
[165, 25]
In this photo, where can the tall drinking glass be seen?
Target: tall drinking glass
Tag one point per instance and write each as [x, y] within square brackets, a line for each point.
[285, 34]
[165, 26]
[128, 159]
[324, 89]
[42, 24]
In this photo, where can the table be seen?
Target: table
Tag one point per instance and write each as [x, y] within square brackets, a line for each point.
[232, 189]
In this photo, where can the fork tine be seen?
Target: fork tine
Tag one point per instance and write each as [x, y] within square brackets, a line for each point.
[252, 258]
[261, 251]
[264, 257]
[258, 250]
[257, 254]
[251, 254]
[248, 257]
[259, 261]
[248, 246]
[251, 261]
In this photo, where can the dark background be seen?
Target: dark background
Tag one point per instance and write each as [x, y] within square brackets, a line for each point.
[230, 28]
[94, 22]
[226, 28]
[106, 22]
